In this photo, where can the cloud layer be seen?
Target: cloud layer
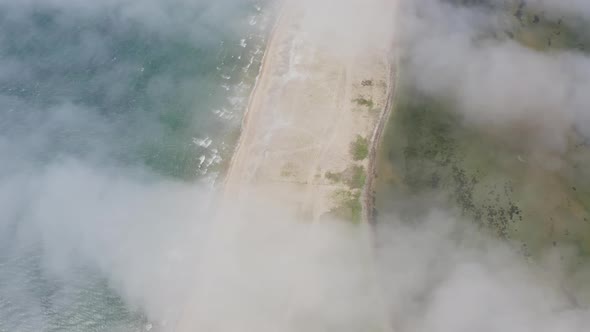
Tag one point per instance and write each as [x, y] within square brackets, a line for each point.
[497, 82]
[161, 245]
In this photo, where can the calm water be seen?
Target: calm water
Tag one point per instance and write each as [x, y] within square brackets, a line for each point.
[144, 97]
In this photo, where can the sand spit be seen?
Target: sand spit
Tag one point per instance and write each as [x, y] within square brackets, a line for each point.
[275, 266]
[312, 102]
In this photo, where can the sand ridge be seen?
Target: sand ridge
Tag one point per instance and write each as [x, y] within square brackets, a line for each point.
[312, 100]
[310, 104]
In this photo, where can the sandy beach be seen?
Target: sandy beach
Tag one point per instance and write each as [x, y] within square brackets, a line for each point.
[312, 102]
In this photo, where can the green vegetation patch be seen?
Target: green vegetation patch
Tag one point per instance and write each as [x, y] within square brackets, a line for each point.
[359, 148]
[534, 29]
[354, 176]
[435, 155]
[430, 158]
[358, 177]
[362, 101]
[435, 159]
[530, 26]
[349, 206]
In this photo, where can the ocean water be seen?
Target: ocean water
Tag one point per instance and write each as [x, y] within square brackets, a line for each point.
[111, 112]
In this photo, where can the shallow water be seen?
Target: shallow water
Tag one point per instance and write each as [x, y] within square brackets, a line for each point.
[144, 96]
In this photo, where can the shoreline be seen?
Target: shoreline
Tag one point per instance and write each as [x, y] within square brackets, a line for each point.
[248, 110]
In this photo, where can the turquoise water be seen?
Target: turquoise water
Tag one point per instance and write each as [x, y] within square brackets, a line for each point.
[144, 97]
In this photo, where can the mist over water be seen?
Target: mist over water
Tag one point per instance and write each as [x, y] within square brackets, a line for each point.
[111, 112]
